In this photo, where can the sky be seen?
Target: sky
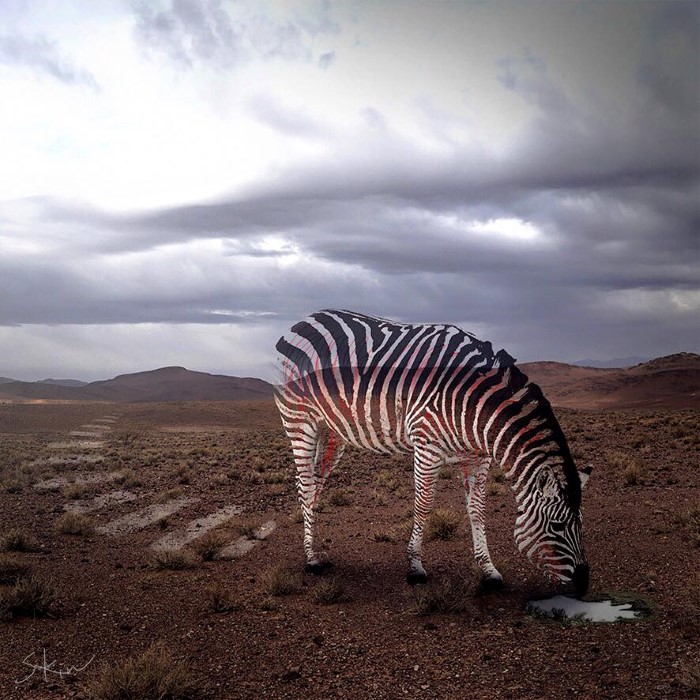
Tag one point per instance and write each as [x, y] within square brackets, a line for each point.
[182, 180]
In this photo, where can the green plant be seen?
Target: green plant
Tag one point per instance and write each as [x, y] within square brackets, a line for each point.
[154, 675]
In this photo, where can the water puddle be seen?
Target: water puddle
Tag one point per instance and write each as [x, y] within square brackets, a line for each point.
[561, 607]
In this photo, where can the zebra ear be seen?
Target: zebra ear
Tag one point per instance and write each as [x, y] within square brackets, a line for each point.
[584, 474]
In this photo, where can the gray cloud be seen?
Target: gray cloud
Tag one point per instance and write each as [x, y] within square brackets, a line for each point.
[44, 56]
[389, 227]
[194, 31]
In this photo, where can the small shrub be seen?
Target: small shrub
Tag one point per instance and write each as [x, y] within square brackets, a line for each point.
[340, 497]
[248, 527]
[498, 475]
[210, 544]
[493, 488]
[442, 524]
[18, 541]
[128, 477]
[75, 491]
[632, 474]
[274, 477]
[280, 581]
[297, 515]
[447, 597]
[12, 569]
[155, 675]
[169, 495]
[381, 536]
[76, 524]
[447, 474]
[30, 596]
[220, 600]
[690, 521]
[174, 558]
[328, 592]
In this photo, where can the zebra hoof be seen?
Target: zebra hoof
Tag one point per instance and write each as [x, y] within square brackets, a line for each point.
[319, 567]
[415, 577]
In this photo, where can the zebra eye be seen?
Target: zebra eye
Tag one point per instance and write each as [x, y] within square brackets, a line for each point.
[557, 526]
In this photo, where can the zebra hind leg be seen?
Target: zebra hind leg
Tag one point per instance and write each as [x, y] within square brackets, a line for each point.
[314, 463]
[475, 488]
[426, 467]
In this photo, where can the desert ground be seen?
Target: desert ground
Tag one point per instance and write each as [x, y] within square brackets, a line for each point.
[221, 607]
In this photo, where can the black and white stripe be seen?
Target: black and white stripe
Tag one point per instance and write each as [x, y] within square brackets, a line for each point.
[444, 395]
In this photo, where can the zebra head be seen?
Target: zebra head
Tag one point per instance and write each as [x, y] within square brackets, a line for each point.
[548, 529]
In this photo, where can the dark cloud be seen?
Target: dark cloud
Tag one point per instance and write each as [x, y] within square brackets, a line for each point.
[45, 57]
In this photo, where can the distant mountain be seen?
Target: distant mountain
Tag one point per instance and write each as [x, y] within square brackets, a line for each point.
[63, 382]
[672, 381]
[617, 362]
[165, 384]
[6, 380]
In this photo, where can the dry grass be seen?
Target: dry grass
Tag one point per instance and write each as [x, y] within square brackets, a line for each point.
[280, 581]
[76, 524]
[297, 515]
[17, 540]
[210, 544]
[12, 569]
[220, 600]
[340, 497]
[174, 558]
[690, 521]
[447, 597]
[30, 596]
[328, 592]
[128, 477]
[442, 524]
[75, 491]
[154, 675]
[382, 536]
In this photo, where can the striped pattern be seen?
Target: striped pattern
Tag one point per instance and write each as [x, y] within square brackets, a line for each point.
[445, 396]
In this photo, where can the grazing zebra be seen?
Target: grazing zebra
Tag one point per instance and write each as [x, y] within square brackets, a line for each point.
[440, 393]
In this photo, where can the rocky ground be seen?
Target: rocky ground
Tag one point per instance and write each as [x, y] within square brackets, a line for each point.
[254, 624]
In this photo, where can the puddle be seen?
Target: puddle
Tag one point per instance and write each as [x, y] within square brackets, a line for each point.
[593, 611]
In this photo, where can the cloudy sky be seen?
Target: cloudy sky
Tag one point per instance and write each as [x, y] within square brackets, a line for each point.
[181, 180]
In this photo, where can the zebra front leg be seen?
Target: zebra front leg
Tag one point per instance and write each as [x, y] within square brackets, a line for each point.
[475, 489]
[426, 467]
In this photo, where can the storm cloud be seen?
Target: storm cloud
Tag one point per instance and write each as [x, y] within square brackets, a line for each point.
[572, 232]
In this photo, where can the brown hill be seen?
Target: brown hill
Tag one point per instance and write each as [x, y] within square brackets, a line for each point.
[665, 382]
[165, 384]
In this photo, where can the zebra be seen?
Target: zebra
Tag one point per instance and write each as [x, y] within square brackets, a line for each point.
[440, 393]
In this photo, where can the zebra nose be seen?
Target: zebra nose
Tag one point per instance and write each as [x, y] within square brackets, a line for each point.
[580, 579]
